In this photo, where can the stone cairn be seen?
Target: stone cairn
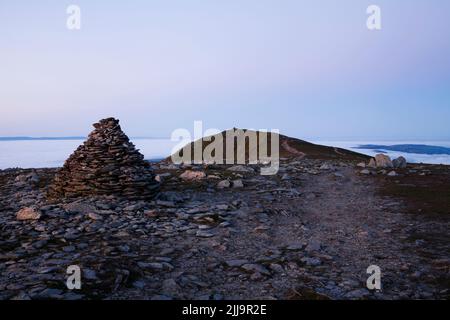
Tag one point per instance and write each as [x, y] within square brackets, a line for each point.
[106, 164]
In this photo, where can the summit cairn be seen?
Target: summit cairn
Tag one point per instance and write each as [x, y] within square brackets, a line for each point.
[107, 163]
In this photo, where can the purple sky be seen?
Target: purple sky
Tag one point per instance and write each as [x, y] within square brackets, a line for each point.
[309, 68]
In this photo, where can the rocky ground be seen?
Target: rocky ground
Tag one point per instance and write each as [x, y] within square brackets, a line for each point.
[309, 232]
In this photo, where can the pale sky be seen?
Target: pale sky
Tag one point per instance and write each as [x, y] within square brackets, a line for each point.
[309, 68]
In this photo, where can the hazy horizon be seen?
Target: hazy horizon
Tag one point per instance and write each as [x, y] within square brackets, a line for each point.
[309, 68]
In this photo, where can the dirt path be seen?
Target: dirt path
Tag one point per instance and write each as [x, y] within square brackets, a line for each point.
[338, 152]
[342, 214]
[292, 150]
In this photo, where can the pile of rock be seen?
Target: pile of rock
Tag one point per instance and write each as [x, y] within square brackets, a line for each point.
[384, 161]
[106, 164]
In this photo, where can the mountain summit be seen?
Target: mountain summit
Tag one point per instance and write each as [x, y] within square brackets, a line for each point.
[288, 147]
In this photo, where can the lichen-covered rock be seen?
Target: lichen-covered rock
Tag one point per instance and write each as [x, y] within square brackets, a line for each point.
[383, 161]
[106, 164]
[28, 214]
[190, 175]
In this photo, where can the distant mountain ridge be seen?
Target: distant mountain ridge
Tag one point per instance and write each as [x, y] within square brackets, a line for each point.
[19, 138]
[408, 148]
[40, 138]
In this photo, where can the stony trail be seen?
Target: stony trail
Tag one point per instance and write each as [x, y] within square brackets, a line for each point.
[316, 245]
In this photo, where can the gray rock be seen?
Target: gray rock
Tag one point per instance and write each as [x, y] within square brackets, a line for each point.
[134, 207]
[311, 261]
[45, 270]
[69, 249]
[51, 294]
[139, 284]
[241, 168]
[276, 267]
[236, 263]
[72, 296]
[78, 207]
[40, 244]
[161, 297]
[313, 245]
[170, 288]
[124, 248]
[222, 207]
[392, 174]
[151, 265]
[94, 216]
[399, 163]
[89, 274]
[357, 294]
[295, 247]
[204, 234]
[361, 165]
[253, 267]
[21, 296]
[238, 184]
[223, 184]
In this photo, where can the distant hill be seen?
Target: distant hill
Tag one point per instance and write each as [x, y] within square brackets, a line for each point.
[66, 138]
[295, 148]
[39, 138]
[408, 148]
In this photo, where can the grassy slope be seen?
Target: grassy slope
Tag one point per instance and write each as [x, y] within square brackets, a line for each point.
[293, 148]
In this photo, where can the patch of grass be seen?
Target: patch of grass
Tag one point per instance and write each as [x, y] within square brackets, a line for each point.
[427, 194]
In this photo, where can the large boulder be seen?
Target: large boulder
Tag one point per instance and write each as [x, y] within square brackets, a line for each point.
[400, 162]
[383, 161]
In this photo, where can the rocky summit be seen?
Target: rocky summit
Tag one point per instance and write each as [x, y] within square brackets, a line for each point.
[106, 164]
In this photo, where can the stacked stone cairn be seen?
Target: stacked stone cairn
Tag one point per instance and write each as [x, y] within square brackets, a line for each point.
[106, 164]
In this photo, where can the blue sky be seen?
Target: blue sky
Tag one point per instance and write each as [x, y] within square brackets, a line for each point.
[309, 68]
